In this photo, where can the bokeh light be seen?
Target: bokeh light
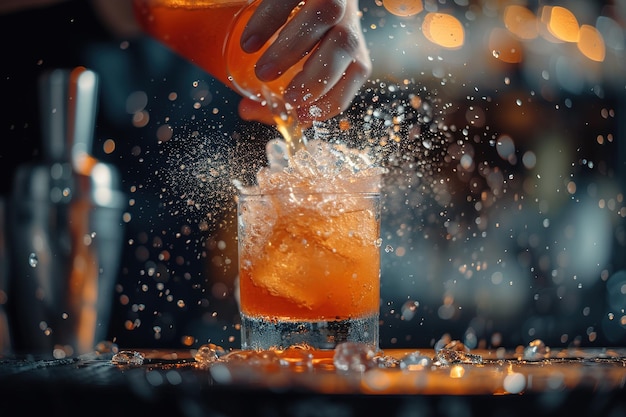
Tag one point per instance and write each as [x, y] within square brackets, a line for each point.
[444, 30]
[591, 43]
[520, 21]
[561, 23]
[403, 8]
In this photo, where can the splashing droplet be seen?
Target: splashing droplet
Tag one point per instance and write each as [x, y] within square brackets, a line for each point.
[207, 354]
[33, 260]
[536, 350]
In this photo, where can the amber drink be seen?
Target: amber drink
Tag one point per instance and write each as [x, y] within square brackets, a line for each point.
[309, 262]
[208, 33]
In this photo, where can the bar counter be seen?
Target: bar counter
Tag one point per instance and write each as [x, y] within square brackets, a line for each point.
[573, 382]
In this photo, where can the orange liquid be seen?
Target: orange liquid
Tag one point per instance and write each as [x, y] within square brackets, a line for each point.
[207, 33]
[309, 264]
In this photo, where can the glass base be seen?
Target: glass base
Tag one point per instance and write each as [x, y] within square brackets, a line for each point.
[263, 334]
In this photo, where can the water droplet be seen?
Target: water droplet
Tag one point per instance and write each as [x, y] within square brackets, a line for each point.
[408, 309]
[33, 260]
[536, 350]
[209, 353]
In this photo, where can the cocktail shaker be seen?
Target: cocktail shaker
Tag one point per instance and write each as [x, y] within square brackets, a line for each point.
[66, 228]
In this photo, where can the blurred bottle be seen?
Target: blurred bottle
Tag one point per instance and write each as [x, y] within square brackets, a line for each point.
[65, 227]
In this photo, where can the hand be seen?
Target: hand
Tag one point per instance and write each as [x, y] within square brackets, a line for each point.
[338, 61]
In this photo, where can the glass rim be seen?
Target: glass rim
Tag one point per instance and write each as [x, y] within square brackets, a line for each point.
[258, 193]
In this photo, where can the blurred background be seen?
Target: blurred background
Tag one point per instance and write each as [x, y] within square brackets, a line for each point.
[501, 124]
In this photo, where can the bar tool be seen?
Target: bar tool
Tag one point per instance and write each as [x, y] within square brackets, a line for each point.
[66, 228]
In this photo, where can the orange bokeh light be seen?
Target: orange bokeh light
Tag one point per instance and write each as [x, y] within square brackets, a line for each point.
[520, 21]
[591, 43]
[444, 30]
[403, 8]
[561, 23]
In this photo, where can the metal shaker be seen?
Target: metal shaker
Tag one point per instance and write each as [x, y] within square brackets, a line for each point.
[66, 228]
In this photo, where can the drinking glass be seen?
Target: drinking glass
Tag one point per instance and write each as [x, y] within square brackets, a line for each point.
[309, 269]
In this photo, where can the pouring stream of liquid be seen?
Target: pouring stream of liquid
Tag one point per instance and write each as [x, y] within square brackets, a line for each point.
[286, 121]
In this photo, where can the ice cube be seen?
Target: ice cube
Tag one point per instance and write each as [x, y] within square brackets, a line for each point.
[209, 353]
[128, 357]
[448, 357]
[277, 155]
[353, 356]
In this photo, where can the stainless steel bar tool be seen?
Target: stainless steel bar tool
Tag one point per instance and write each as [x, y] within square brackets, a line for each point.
[66, 228]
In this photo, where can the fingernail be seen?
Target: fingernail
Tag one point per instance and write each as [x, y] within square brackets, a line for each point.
[266, 72]
[251, 44]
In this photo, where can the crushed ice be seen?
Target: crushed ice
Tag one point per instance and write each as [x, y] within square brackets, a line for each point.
[350, 356]
[347, 357]
[128, 357]
[449, 357]
[209, 353]
[320, 167]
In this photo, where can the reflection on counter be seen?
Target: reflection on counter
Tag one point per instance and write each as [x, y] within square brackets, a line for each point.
[346, 381]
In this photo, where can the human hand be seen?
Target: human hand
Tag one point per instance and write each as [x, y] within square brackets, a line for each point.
[338, 63]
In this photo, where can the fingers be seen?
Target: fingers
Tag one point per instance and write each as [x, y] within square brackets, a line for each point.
[332, 103]
[336, 99]
[337, 64]
[299, 36]
[340, 60]
[268, 17]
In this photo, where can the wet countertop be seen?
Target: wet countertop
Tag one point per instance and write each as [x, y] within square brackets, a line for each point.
[403, 383]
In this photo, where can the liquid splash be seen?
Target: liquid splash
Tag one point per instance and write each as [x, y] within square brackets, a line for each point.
[452, 369]
[346, 357]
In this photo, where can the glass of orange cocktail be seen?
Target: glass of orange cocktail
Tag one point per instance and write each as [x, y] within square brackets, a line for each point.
[309, 249]
[309, 268]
